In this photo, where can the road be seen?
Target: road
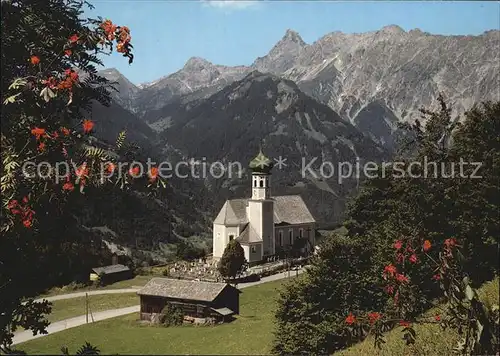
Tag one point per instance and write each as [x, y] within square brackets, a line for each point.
[271, 278]
[90, 292]
[82, 319]
[72, 322]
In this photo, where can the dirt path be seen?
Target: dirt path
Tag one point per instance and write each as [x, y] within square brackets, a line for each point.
[81, 320]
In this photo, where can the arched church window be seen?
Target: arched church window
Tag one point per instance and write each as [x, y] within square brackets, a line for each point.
[262, 183]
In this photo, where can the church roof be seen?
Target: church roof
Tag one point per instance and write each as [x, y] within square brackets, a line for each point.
[291, 209]
[249, 235]
[233, 212]
[288, 209]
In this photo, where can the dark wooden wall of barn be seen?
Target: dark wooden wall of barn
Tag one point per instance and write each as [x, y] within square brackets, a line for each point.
[115, 277]
[228, 298]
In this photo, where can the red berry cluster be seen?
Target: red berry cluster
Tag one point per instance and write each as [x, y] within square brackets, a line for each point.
[23, 210]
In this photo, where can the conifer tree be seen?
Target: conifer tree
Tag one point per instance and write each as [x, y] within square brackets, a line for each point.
[233, 260]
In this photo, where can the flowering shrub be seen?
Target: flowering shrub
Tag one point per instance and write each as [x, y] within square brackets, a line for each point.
[48, 85]
[463, 309]
[50, 139]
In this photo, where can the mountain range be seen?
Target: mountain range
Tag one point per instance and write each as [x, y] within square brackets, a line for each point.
[399, 71]
[338, 99]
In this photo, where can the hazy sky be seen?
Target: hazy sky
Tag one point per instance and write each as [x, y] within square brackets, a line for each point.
[165, 33]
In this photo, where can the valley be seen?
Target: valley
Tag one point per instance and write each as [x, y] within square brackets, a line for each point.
[339, 99]
[232, 177]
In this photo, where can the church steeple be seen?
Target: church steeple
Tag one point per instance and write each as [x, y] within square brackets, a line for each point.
[261, 167]
[261, 164]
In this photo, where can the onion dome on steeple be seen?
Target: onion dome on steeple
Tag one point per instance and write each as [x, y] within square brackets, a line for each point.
[261, 164]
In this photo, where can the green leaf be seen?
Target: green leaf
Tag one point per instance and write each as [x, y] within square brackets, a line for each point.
[469, 293]
[18, 82]
[11, 99]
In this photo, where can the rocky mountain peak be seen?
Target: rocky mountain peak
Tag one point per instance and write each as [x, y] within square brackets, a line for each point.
[113, 74]
[392, 29]
[283, 55]
[197, 63]
[127, 90]
[293, 36]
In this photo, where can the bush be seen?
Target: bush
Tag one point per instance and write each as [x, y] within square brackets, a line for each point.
[311, 309]
[171, 316]
[73, 286]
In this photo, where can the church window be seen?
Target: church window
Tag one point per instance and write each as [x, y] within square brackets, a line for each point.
[280, 234]
[301, 233]
[290, 236]
[261, 182]
[231, 237]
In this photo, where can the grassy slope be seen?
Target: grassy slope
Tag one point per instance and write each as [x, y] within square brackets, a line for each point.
[251, 333]
[431, 339]
[68, 308]
[137, 281]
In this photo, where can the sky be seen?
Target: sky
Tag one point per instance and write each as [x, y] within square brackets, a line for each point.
[166, 33]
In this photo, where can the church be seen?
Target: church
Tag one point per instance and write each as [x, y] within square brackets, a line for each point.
[264, 225]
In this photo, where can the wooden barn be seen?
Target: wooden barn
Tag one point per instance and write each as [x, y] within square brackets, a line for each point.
[111, 274]
[196, 299]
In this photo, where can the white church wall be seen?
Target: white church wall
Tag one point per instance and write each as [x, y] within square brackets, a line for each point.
[219, 233]
[221, 237]
[261, 218]
[246, 249]
[233, 231]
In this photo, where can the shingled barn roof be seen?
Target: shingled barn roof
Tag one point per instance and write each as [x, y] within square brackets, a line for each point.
[110, 269]
[183, 289]
[288, 209]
